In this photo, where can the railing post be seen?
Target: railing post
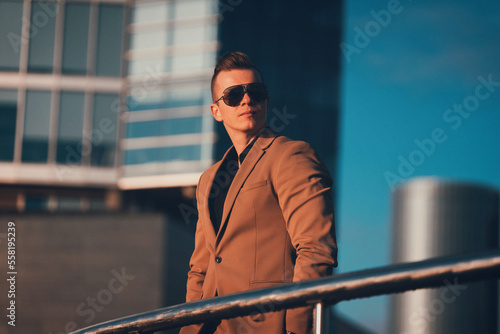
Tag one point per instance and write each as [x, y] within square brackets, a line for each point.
[319, 318]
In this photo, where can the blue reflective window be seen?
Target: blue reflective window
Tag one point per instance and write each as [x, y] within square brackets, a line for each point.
[42, 35]
[104, 124]
[8, 115]
[69, 138]
[36, 203]
[109, 40]
[11, 13]
[36, 127]
[165, 127]
[163, 154]
[76, 32]
[142, 100]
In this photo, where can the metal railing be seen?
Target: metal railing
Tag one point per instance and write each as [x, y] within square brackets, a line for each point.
[320, 292]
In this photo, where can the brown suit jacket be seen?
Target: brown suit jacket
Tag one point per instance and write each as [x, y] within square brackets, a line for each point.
[277, 227]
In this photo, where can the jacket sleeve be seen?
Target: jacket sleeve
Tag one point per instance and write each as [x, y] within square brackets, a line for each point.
[303, 186]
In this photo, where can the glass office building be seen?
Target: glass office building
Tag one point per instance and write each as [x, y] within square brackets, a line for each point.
[169, 130]
[102, 98]
[104, 106]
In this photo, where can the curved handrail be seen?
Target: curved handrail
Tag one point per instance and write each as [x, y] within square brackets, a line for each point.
[367, 283]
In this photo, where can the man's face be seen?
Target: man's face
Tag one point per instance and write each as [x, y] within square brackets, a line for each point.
[249, 116]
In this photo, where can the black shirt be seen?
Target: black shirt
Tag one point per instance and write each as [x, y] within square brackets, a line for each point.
[222, 181]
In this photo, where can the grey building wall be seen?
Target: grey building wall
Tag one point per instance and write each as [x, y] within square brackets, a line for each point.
[74, 271]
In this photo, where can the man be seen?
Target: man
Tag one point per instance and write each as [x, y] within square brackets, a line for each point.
[265, 210]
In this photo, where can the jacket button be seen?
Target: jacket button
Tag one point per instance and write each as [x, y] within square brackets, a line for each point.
[218, 259]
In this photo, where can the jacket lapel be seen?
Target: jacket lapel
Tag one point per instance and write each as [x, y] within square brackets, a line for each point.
[204, 211]
[248, 165]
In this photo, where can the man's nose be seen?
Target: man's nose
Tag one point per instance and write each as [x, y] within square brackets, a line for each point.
[246, 99]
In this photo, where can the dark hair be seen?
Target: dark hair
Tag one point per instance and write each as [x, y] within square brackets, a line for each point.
[232, 61]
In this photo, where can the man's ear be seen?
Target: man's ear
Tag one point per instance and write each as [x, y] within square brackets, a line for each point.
[216, 112]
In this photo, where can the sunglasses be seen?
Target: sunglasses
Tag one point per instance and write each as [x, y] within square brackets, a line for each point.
[233, 95]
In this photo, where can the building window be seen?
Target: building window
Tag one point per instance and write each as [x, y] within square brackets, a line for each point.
[192, 9]
[148, 13]
[163, 154]
[36, 203]
[10, 34]
[36, 127]
[70, 129]
[164, 127]
[76, 32]
[8, 115]
[149, 39]
[109, 40]
[42, 35]
[69, 204]
[104, 126]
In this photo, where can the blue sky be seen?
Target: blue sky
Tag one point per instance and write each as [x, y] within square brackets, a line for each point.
[400, 88]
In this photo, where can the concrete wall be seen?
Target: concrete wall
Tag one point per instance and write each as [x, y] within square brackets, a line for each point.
[74, 271]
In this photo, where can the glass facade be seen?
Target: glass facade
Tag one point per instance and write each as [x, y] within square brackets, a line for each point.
[110, 40]
[36, 126]
[8, 116]
[173, 47]
[70, 128]
[75, 42]
[10, 34]
[42, 36]
[61, 80]
[124, 86]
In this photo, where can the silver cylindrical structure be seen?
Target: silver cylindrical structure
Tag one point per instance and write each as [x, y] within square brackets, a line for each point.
[431, 218]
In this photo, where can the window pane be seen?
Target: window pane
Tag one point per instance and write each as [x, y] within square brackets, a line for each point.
[188, 62]
[191, 9]
[141, 99]
[149, 39]
[41, 49]
[104, 129]
[69, 204]
[10, 34]
[147, 66]
[109, 40]
[165, 127]
[70, 130]
[190, 34]
[8, 115]
[76, 31]
[36, 203]
[36, 127]
[147, 13]
[163, 154]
